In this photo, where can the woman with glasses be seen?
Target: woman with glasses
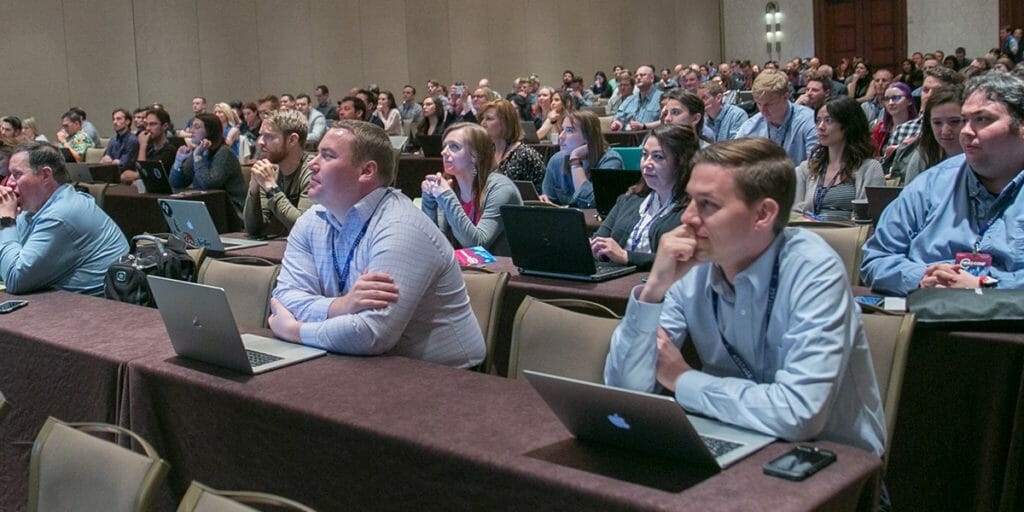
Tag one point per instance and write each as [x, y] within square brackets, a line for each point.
[899, 108]
[629, 234]
[840, 167]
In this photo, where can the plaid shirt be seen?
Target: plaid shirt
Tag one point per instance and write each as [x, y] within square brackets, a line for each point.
[905, 130]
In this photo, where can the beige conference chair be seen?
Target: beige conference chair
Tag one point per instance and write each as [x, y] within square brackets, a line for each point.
[845, 239]
[202, 498]
[566, 337]
[486, 292]
[247, 282]
[889, 340]
[73, 470]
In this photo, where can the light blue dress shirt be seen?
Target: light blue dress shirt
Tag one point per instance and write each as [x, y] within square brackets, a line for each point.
[797, 134]
[728, 122]
[431, 320]
[936, 216]
[68, 244]
[633, 108]
[812, 369]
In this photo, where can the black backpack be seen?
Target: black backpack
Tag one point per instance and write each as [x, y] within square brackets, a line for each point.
[126, 279]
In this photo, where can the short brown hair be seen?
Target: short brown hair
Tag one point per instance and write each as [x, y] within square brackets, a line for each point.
[508, 116]
[369, 142]
[289, 122]
[761, 169]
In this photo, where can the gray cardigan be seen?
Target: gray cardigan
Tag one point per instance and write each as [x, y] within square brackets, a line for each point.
[869, 174]
[489, 232]
[625, 214]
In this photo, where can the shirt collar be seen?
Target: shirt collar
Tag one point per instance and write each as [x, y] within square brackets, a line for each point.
[360, 212]
[758, 274]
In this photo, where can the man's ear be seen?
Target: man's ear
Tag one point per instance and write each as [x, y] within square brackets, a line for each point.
[767, 211]
[368, 170]
[46, 172]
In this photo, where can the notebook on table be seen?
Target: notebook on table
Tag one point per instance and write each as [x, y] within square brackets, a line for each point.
[154, 176]
[553, 242]
[653, 424]
[609, 184]
[191, 222]
[200, 324]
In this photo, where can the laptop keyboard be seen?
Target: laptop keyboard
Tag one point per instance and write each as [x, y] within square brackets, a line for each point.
[260, 358]
[605, 267]
[719, 447]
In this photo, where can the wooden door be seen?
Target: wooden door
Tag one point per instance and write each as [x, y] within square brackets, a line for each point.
[874, 29]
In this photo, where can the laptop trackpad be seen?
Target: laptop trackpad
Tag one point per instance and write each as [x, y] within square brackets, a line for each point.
[636, 467]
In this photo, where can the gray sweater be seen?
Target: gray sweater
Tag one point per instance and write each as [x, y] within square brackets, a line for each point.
[489, 232]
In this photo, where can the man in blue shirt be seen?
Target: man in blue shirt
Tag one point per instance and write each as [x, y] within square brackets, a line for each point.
[61, 239]
[768, 309]
[642, 107]
[123, 147]
[790, 126]
[724, 120]
[963, 212]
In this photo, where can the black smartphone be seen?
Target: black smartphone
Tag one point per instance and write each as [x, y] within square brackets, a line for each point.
[799, 463]
[11, 305]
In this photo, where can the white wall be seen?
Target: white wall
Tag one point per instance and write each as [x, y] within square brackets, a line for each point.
[947, 24]
[744, 29]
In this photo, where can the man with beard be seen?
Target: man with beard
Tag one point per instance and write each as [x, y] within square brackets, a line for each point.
[279, 184]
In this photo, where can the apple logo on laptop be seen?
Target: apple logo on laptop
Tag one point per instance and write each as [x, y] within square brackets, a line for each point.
[618, 421]
[189, 225]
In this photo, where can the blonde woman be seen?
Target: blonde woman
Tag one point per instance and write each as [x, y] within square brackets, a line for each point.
[229, 119]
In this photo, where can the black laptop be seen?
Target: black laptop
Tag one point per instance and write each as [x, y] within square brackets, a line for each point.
[553, 242]
[609, 184]
[430, 144]
[878, 199]
[154, 176]
[527, 190]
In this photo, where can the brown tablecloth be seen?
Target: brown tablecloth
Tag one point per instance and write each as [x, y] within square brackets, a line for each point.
[64, 355]
[959, 440]
[388, 433]
[614, 294]
[137, 213]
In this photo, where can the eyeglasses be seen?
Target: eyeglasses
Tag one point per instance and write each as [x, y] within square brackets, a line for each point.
[894, 99]
[826, 120]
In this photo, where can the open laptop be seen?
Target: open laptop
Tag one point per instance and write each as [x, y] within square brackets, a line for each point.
[430, 144]
[398, 142]
[80, 173]
[878, 199]
[191, 222]
[154, 176]
[641, 421]
[201, 326]
[527, 190]
[529, 132]
[553, 242]
[609, 184]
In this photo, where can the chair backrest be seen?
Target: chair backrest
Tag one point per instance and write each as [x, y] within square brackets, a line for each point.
[554, 337]
[198, 255]
[486, 292]
[248, 284]
[889, 340]
[606, 123]
[4, 407]
[73, 470]
[845, 239]
[94, 155]
[96, 190]
[201, 498]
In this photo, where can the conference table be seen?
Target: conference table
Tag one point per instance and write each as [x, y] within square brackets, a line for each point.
[342, 433]
[105, 173]
[136, 213]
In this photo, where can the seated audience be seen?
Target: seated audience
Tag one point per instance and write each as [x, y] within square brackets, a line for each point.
[153, 144]
[60, 239]
[816, 92]
[629, 234]
[279, 183]
[323, 103]
[679, 107]
[515, 160]
[72, 137]
[899, 108]
[559, 103]
[30, 130]
[315, 121]
[838, 170]
[10, 126]
[858, 84]
[940, 135]
[909, 74]
[226, 115]
[7, 145]
[958, 224]
[768, 309]
[348, 283]
[207, 163]
[387, 113]
[874, 108]
[251, 123]
[460, 110]
[352, 108]
[640, 107]
[624, 89]
[470, 194]
[410, 110]
[87, 126]
[582, 147]
[123, 147]
[601, 88]
[778, 120]
[724, 120]
[433, 122]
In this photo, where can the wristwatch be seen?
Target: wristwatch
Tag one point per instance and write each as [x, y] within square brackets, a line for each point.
[271, 192]
[7, 222]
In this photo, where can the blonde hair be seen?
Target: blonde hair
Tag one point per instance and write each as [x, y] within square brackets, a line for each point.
[229, 113]
[770, 80]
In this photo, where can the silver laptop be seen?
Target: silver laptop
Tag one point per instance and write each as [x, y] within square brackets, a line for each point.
[641, 421]
[527, 190]
[80, 173]
[398, 142]
[199, 321]
[191, 222]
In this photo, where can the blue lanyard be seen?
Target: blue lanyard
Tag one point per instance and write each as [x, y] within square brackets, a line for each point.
[343, 271]
[790, 114]
[1005, 199]
[821, 192]
[773, 289]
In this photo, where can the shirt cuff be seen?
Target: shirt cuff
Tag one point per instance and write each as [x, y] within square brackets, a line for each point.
[689, 388]
[307, 334]
[642, 313]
